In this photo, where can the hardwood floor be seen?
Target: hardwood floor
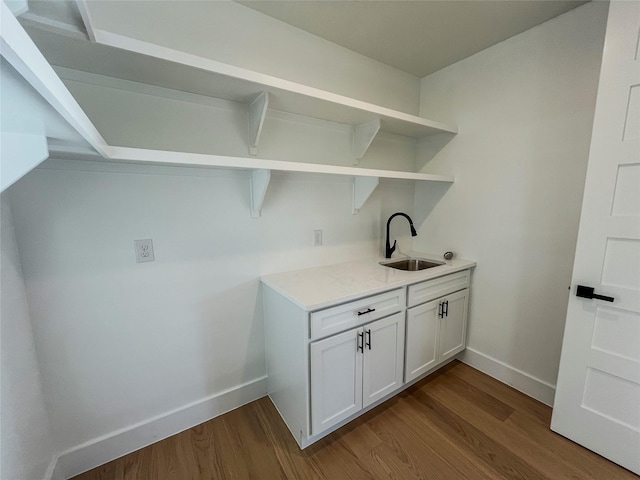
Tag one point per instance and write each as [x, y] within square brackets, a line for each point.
[456, 424]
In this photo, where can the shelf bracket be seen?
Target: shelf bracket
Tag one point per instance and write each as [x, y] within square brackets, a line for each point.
[363, 135]
[257, 113]
[363, 187]
[259, 183]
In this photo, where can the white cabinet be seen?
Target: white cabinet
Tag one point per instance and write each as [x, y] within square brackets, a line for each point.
[353, 369]
[422, 339]
[436, 330]
[453, 324]
[327, 362]
[383, 358]
[336, 379]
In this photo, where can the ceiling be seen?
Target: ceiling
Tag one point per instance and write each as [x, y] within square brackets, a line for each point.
[418, 37]
[415, 36]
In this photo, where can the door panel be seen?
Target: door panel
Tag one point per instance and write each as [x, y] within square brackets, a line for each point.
[421, 339]
[453, 332]
[383, 358]
[597, 400]
[336, 379]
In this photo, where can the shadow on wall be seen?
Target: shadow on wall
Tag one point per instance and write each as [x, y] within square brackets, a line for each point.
[430, 147]
[427, 196]
[231, 338]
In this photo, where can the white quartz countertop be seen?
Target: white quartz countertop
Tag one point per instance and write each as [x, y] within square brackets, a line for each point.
[321, 287]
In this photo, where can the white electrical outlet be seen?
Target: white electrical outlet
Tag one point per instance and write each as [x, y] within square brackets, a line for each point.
[144, 250]
[317, 238]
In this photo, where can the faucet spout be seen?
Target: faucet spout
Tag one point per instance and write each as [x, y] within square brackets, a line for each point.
[390, 249]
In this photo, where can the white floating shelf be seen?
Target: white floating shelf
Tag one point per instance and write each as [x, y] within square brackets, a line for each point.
[365, 180]
[229, 82]
[163, 157]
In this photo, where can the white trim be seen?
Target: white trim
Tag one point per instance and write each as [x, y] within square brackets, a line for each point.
[52, 473]
[516, 378]
[108, 447]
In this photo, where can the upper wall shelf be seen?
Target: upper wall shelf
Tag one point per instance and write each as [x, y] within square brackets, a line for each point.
[39, 106]
[240, 84]
[67, 129]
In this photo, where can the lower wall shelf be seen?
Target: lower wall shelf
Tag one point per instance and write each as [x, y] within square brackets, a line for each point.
[364, 180]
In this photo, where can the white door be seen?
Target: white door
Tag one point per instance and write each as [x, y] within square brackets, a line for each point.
[421, 339]
[453, 325]
[597, 401]
[336, 379]
[383, 358]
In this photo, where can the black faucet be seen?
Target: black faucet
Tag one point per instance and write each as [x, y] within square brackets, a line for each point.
[389, 249]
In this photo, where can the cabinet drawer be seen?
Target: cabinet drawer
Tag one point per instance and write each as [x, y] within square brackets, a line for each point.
[431, 289]
[337, 319]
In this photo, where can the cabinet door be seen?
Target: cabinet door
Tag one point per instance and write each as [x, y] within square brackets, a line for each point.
[336, 379]
[421, 339]
[453, 326]
[383, 358]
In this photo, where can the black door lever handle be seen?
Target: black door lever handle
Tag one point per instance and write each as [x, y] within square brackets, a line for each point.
[587, 292]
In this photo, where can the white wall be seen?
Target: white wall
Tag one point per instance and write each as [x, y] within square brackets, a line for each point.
[27, 444]
[524, 109]
[235, 34]
[119, 342]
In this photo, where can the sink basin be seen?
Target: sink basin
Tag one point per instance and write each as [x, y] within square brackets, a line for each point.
[411, 264]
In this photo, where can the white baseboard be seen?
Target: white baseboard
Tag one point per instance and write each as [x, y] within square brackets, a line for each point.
[522, 381]
[116, 444]
[52, 473]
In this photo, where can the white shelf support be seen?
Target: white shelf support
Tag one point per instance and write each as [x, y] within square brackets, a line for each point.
[257, 113]
[363, 135]
[259, 183]
[363, 187]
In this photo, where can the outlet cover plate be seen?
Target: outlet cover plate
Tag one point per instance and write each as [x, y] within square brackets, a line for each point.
[144, 250]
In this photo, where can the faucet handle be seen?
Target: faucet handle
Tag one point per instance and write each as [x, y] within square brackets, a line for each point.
[391, 249]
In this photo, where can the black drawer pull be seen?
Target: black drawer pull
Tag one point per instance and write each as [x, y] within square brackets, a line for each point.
[360, 342]
[369, 310]
[368, 343]
[445, 310]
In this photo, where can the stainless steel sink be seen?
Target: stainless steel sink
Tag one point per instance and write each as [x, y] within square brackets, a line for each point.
[411, 264]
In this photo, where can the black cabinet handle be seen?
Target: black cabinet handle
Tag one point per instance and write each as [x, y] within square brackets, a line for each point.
[369, 310]
[360, 341]
[368, 344]
[441, 310]
[445, 312]
[587, 292]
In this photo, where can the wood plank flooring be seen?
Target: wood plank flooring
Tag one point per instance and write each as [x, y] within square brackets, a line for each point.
[455, 424]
